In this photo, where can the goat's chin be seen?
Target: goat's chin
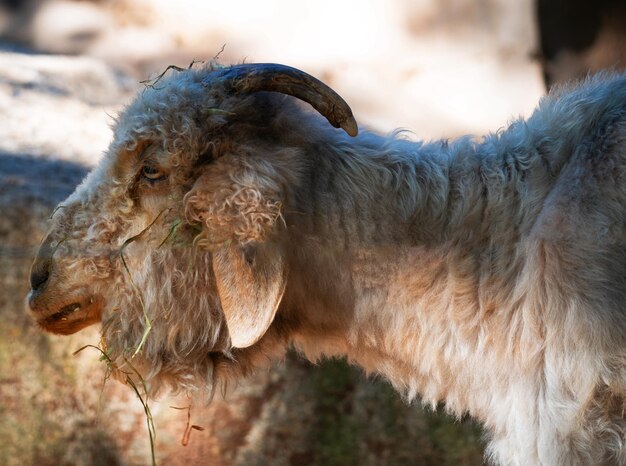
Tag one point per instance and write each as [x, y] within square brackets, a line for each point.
[169, 358]
[70, 316]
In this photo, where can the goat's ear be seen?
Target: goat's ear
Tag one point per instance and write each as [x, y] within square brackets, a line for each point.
[250, 283]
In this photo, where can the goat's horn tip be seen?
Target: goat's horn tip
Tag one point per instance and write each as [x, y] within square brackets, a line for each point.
[349, 126]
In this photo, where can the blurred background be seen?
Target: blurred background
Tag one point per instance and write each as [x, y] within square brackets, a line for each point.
[440, 68]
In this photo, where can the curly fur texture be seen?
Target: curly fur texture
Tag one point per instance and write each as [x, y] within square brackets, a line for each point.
[237, 203]
[490, 275]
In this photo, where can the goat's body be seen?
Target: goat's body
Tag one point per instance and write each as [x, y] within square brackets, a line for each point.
[489, 276]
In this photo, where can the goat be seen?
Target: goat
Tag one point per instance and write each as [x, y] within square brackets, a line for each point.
[226, 223]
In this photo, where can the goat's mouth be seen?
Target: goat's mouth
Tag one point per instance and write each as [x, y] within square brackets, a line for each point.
[65, 319]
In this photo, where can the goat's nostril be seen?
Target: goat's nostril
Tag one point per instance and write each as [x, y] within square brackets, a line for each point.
[39, 274]
[40, 271]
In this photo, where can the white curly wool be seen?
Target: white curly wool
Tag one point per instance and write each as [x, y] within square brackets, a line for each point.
[489, 275]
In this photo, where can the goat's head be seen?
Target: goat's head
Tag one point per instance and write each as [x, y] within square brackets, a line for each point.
[171, 240]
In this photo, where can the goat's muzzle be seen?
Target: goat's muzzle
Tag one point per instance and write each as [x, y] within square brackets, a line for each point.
[56, 307]
[65, 314]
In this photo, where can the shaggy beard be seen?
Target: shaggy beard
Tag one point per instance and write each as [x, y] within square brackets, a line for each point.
[186, 342]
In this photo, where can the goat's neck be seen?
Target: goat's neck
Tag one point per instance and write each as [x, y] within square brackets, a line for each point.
[397, 263]
[389, 192]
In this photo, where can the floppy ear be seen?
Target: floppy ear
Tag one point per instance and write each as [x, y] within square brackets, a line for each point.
[250, 282]
[238, 202]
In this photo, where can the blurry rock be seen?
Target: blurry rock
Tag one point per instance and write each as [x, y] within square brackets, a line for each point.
[121, 31]
[59, 106]
[64, 26]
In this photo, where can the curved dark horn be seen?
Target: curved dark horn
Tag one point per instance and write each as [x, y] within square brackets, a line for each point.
[253, 77]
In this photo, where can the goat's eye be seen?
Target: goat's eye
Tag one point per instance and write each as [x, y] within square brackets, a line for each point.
[152, 173]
